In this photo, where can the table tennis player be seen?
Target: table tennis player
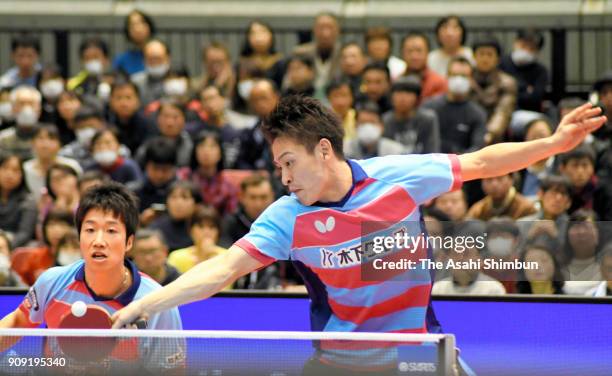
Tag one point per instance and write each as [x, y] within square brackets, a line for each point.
[106, 220]
[318, 226]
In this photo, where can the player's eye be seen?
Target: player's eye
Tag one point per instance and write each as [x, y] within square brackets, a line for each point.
[89, 230]
[288, 164]
[112, 231]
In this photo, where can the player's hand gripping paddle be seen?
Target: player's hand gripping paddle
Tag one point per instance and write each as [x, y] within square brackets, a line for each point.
[87, 349]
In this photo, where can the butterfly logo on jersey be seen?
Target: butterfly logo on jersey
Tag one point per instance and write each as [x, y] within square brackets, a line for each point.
[328, 226]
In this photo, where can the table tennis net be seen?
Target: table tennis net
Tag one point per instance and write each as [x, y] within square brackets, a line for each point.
[221, 353]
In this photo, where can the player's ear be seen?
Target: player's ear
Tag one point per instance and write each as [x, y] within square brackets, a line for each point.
[325, 148]
[129, 243]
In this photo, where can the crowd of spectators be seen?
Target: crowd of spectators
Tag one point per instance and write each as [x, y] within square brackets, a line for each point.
[193, 151]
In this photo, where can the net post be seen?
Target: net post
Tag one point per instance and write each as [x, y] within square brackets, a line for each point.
[446, 356]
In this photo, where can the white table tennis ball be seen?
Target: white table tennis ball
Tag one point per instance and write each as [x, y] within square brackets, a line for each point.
[78, 308]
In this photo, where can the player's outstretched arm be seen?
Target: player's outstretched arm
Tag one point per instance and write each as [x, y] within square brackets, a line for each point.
[504, 158]
[199, 282]
[15, 319]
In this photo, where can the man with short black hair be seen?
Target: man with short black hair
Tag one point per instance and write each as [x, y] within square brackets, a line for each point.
[493, 89]
[150, 254]
[25, 51]
[320, 226]
[376, 84]
[106, 220]
[531, 76]
[462, 120]
[415, 48]
[160, 173]
[416, 128]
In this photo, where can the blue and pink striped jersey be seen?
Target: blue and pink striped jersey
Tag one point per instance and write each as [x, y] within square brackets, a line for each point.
[324, 242]
[57, 288]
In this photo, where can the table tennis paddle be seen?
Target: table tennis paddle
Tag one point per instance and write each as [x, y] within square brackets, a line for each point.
[87, 348]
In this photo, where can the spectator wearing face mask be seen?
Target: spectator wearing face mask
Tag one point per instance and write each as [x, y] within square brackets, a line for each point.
[150, 82]
[68, 249]
[25, 51]
[87, 122]
[94, 60]
[138, 28]
[8, 276]
[370, 141]
[124, 112]
[105, 152]
[462, 121]
[51, 86]
[503, 244]
[176, 88]
[530, 75]
[415, 128]
[26, 105]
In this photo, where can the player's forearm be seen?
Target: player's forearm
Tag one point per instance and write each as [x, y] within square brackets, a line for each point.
[203, 280]
[504, 158]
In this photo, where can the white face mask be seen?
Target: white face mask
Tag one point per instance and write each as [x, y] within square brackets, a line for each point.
[459, 85]
[522, 57]
[52, 89]
[27, 117]
[244, 89]
[175, 87]
[157, 71]
[500, 246]
[6, 111]
[368, 133]
[67, 258]
[94, 67]
[85, 135]
[104, 90]
[105, 158]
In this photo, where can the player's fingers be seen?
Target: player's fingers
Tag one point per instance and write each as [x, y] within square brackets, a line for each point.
[590, 113]
[576, 113]
[593, 124]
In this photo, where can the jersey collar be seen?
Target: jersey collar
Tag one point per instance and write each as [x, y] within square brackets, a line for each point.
[125, 298]
[358, 175]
